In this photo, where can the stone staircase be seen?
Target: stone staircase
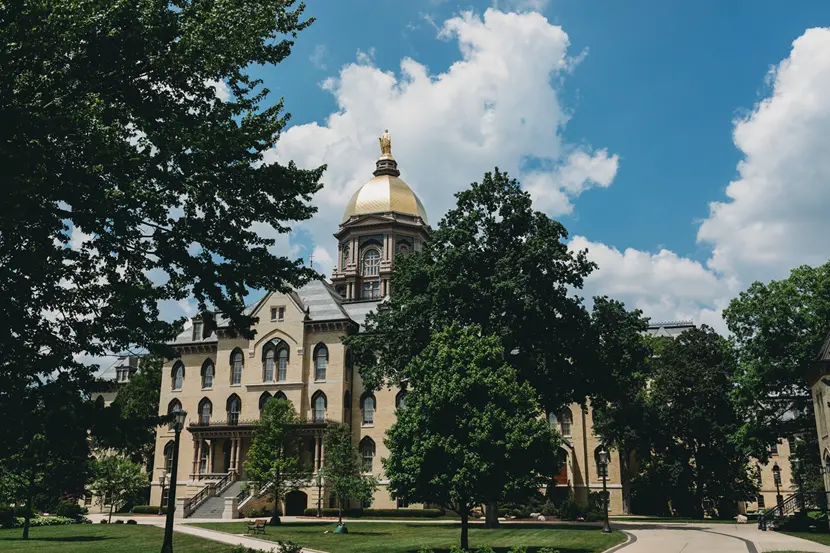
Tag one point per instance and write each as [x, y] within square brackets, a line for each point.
[213, 507]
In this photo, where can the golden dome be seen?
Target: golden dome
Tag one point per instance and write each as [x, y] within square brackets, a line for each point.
[384, 194]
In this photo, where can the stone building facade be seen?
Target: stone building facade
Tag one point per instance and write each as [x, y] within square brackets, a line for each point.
[819, 379]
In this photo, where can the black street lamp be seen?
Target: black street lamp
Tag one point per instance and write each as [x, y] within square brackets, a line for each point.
[603, 472]
[776, 476]
[178, 425]
[162, 483]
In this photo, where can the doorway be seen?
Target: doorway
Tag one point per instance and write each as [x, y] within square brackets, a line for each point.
[296, 503]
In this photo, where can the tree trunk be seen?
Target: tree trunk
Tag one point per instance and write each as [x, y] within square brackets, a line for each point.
[491, 514]
[339, 510]
[625, 478]
[112, 504]
[28, 514]
[465, 542]
[275, 515]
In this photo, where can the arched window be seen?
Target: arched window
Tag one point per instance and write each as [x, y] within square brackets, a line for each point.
[207, 374]
[367, 405]
[236, 366]
[282, 363]
[168, 456]
[400, 400]
[280, 395]
[205, 411]
[553, 421]
[203, 458]
[371, 262]
[268, 366]
[318, 404]
[367, 453]
[234, 407]
[567, 421]
[172, 407]
[321, 361]
[178, 375]
[263, 399]
[345, 260]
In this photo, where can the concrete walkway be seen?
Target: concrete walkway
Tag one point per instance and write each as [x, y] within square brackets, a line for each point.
[653, 537]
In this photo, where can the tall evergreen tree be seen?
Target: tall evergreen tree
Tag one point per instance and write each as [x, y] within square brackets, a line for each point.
[471, 433]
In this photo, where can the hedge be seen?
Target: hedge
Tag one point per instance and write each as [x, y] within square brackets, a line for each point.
[46, 521]
[148, 510]
[382, 513]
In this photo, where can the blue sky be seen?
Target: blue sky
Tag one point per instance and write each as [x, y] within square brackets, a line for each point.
[667, 103]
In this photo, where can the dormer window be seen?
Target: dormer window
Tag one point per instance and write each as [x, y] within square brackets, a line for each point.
[197, 330]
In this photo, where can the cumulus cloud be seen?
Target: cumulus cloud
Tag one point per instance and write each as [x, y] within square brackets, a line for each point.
[552, 191]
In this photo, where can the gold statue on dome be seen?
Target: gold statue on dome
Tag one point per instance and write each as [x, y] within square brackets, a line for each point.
[385, 143]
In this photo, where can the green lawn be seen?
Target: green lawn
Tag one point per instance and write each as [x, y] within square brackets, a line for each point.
[102, 538]
[823, 539]
[378, 537]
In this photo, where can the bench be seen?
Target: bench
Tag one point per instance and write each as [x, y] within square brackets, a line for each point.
[256, 527]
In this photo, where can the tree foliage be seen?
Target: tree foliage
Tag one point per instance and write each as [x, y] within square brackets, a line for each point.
[495, 262]
[274, 460]
[343, 469]
[619, 392]
[127, 183]
[471, 432]
[117, 479]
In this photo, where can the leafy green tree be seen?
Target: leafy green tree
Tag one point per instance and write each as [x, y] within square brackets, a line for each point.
[694, 439]
[343, 470]
[129, 183]
[118, 479]
[471, 431]
[620, 389]
[495, 262]
[274, 460]
[779, 328]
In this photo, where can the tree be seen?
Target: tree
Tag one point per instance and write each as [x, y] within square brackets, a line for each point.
[495, 262]
[118, 479]
[620, 389]
[696, 421]
[470, 432]
[129, 183]
[779, 328]
[274, 460]
[343, 469]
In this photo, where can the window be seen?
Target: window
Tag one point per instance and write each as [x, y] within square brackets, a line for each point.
[236, 366]
[371, 289]
[403, 248]
[122, 375]
[197, 330]
[345, 259]
[280, 314]
[280, 395]
[403, 503]
[268, 366]
[88, 499]
[205, 411]
[203, 461]
[273, 313]
[367, 404]
[567, 421]
[165, 496]
[321, 360]
[318, 403]
[366, 503]
[332, 501]
[172, 407]
[282, 364]
[168, 456]
[553, 421]
[371, 263]
[774, 448]
[399, 400]
[178, 375]
[822, 422]
[761, 503]
[263, 399]
[234, 407]
[367, 453]
[207, 374]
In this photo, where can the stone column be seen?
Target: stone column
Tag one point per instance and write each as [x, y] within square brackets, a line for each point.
[198, 470]
[322, 451]
[179, 512]
[231, 510]
[195, 456]
[234, 447]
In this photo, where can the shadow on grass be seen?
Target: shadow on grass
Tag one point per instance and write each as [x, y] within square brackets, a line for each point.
[67, 539]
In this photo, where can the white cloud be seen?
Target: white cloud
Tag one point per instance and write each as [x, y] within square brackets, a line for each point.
[222, 90]
[521, 5]
[494, 105]
[322, 260]
[318, 56]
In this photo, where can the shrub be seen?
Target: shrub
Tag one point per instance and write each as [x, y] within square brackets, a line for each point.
[131, 521]
[119, 521]
[548, 550]
[266, 512]
[45, 521]
[69, 509]
[518, 549]
[570, 509]
[382, 513]
[147, 510]
[288, 546]
[103, 521]
[6, 516]
[425, 549]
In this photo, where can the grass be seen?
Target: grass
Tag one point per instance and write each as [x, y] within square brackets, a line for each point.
[823, 539]
[377, 537]
[102, 538]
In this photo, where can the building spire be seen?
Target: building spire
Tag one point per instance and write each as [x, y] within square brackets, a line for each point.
[386, 164]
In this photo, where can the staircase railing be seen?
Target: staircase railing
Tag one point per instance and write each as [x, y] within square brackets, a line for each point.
[226, 481]
[207, 492]
[798, 501]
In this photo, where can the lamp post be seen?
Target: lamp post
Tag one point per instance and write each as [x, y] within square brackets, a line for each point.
[776, 476]
[162, 483]
[603, 471]
[178, 425]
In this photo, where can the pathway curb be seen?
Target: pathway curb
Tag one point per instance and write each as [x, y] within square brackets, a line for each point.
[630, 538]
